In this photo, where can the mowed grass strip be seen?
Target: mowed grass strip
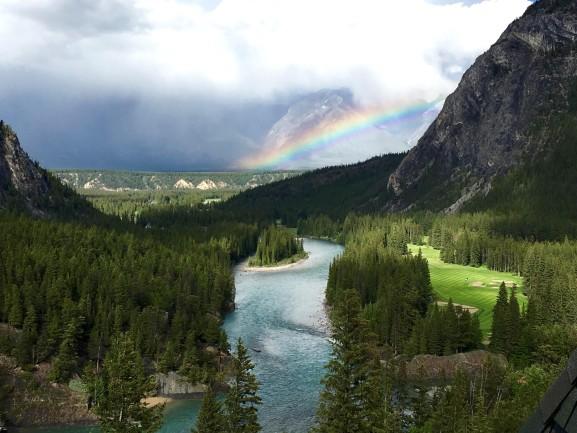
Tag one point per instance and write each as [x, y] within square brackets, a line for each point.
[467, 285]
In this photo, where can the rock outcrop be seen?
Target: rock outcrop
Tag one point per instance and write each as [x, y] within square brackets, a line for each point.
[174, 385]
[485, 126]
[432, 368]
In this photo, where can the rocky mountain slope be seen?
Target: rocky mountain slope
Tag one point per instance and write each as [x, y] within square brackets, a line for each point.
[25, 185]
[500, 115]
[505, 140]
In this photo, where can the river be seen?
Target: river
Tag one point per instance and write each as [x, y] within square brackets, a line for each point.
[280, 317]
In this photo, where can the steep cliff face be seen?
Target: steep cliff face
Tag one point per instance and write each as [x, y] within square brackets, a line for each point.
[25, 185]
[488, 125]
[19, 176]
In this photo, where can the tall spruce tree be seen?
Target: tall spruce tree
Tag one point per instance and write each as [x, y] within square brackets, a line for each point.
[210, 418]
[119, 390]
[500, 327]
[513, 323]
[242, 400]
[343, 402]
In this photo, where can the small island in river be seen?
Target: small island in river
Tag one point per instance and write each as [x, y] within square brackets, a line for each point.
[278, 248]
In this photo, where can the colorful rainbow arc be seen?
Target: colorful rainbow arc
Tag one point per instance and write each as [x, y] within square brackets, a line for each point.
[325, 136]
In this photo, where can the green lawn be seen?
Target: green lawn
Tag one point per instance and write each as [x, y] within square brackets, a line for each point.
[475, 287]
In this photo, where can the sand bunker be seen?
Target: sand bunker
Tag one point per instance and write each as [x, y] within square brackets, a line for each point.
[470, 309]
[497, 283]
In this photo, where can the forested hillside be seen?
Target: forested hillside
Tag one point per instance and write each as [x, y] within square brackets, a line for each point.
[334, 191]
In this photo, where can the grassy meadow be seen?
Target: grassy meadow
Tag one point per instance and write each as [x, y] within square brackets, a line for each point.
[467, 285]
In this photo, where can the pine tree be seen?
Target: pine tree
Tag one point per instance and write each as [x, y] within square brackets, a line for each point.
[499, 330]
[342, 407]
[67, 360]
[513, 323]
[380, 414]
[25, 350]
[210, 418]
[119, 391]
[242, 400]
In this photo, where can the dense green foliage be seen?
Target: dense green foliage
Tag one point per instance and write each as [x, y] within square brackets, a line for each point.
[71, 289]
[129, 205]
[493, 401]
[357, 396]
[394, 286]
[536, 336]
[445, 331]
[333, 191]
[277, 245]
[239, 413]
[210, 418]
[320, 226]
[242, 401]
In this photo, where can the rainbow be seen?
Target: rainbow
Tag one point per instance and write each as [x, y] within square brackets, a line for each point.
[324, 136]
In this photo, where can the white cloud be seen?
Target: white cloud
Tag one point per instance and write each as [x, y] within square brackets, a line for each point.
[248, 48]
[75, 53]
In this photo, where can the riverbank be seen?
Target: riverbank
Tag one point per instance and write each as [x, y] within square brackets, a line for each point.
[245, 267]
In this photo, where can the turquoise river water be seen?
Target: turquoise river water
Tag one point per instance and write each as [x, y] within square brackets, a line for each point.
[280, 317]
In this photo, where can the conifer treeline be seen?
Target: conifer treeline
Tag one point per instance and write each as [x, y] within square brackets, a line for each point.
[276, 244]
[445, 330]
[71, 289]
[320, 226]
[394, 287]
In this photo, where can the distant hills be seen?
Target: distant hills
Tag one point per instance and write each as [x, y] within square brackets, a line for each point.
[105, 180]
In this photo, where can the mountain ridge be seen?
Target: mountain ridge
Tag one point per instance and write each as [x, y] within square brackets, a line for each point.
[485, 128]
[507, 129]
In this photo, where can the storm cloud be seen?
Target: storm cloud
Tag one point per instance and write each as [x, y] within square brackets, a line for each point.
[182, 84]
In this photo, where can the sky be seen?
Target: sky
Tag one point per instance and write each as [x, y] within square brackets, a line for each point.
[197, 84]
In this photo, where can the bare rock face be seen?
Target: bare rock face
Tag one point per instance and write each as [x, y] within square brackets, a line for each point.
[24, 185]
[484, 128]
[174, 385]
[19, 176]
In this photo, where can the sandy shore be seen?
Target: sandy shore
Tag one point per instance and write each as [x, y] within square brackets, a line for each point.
[246, 268]
[155, 401]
